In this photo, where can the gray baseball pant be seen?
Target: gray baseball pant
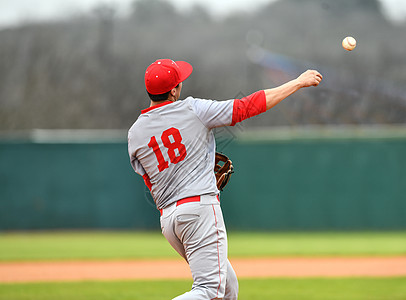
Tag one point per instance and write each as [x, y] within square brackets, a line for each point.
[196, 230]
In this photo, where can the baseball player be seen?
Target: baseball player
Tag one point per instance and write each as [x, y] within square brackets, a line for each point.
[172, 146]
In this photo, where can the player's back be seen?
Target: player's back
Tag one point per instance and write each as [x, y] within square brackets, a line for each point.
[173, 149]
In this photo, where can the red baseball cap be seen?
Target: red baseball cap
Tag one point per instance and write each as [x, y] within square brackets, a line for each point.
[165, 74]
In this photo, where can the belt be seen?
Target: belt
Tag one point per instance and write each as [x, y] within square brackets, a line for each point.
[187, 200]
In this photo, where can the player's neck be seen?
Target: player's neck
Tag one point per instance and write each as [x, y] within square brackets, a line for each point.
[171, 98]
[153, 103]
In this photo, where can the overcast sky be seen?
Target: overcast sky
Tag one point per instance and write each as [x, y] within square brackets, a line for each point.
[14, 11]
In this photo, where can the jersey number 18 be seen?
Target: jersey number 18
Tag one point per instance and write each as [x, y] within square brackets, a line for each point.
[171, 146]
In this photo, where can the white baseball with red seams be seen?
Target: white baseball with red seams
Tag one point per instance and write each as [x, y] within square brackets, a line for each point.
[349, 43]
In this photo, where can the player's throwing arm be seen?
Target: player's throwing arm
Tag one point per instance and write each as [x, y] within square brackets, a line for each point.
[306, 79]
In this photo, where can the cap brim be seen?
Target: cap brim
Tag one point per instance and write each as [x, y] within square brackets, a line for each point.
[185, 68]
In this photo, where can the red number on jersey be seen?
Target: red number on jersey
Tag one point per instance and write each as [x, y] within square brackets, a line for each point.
[162, 164]
[176, 144]
[171, 146]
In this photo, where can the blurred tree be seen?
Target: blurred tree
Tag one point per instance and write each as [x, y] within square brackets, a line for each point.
[105, 14]
[158, 11]
[343, 7]
[350, 6]
[199, 14]
[87, 72]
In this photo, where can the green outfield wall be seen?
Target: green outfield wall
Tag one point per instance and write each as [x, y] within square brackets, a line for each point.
[284, 180]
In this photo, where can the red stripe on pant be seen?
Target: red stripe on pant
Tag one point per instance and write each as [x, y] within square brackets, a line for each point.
[218, 251]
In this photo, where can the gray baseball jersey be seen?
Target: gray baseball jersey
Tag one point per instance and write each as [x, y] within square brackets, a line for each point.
[172, 146]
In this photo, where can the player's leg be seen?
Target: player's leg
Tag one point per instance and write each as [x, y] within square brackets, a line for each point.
[168, 221]
[200, 227]
[168, 230]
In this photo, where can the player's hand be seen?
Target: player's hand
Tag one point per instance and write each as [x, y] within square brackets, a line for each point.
[310, 78]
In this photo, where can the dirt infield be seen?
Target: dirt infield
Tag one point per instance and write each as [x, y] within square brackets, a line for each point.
[178, 269]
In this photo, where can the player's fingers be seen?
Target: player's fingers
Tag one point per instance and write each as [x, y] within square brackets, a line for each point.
[317, 78]
[310, 78]
[316, 74]
[316, 82]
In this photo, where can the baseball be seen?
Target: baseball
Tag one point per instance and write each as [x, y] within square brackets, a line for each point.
[349, 43]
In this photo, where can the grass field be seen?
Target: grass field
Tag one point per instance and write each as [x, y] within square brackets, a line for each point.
[140, 245]
[252, 289]
[48, 246]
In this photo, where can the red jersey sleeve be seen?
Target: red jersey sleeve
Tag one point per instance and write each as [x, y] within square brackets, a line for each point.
[248, 107]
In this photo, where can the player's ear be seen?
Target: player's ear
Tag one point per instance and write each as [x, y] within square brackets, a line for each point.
[173, 92]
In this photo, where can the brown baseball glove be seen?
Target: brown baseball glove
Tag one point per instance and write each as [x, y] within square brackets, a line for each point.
[223, 168]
